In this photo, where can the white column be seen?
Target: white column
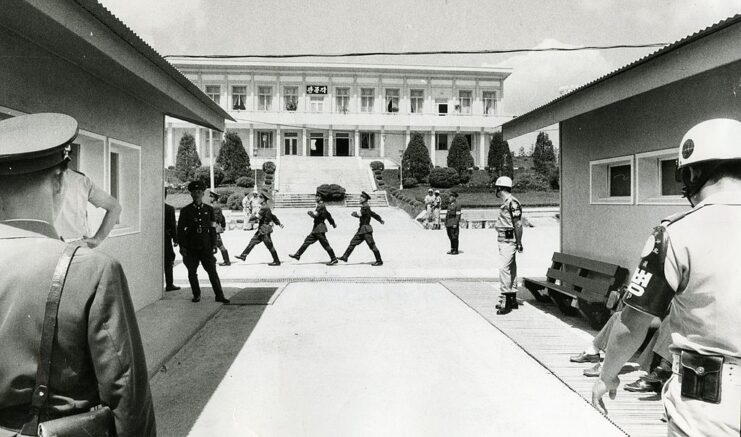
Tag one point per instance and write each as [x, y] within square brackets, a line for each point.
[172, 158]
[211, 158]
[433, 147]
[407, 137]
[382, 154]
[305, 140]
[276, 181]
[251, 144]
[482, 149]
[357, 143]
[198, 142]
[330, 142]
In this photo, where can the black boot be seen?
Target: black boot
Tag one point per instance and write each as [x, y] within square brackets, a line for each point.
[508, 306]
[379, 261]
[225, 255]
[276, 261]
[332, 257]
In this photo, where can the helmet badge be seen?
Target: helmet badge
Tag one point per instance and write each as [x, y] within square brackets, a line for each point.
[687, 148]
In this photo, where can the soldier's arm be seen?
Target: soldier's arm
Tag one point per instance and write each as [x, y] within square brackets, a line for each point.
[275, 219]
[374, 215]
[112, 208]
[182, 223]
[212, 228]
[515, 211]
[118, 356]
[329, 217]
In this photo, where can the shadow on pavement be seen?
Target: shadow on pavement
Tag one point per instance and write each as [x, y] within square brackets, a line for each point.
[184, 386]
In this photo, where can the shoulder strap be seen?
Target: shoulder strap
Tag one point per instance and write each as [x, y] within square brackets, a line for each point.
[41, 390]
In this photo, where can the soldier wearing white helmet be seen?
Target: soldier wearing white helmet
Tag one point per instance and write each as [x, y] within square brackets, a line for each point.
[509, 240]
[691, 262]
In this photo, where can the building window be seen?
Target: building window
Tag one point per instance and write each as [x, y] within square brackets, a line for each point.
[656, 182]
[611, 181]
[392, 100]
[264, 98]
[316, 103]
[264, 139]
[441, 141]
[367, 99]
[213, 140]
[124, 183]
[442, 106]
[367, 140]
[290, 97]
[342, 96]
[490, 102]
[239, 98]
[464, 99]
[417, 100]
[214, 93]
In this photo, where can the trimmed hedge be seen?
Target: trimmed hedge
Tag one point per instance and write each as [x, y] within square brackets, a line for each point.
[203, 174]
[444, 177]
[331, 192]
[268, 167]
[410, 182]
[234, 202]
[245, 182]
[377, 165]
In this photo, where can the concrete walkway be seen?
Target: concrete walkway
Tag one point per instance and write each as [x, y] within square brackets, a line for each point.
[387, 360]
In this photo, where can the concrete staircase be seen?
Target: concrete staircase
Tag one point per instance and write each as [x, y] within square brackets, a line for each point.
[378, 198]
[301, 175]
[287, 200]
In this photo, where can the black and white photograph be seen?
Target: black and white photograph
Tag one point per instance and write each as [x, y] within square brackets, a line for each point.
[391, 218]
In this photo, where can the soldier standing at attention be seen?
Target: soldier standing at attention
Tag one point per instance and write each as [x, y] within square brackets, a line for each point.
[453, 222]
[318, 233]
[690, 266]
[171, 236]
[365, 231]
[509, 240]
[96, 355]
[265, 219]
[197, 239]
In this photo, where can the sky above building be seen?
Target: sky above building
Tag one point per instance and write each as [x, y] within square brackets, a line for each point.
[239, 27]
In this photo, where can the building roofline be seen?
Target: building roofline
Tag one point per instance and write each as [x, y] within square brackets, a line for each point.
[641, 62]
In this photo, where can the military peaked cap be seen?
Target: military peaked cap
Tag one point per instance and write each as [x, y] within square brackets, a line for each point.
[35, 142]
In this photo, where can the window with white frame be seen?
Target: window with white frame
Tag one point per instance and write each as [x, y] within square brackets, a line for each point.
[392, 100]
[342, 99]
[417, 101]
[239, 97]
[213, 141]
[367, 99]
[124, 183]
[214, 93]
[441, 141]
[656, 182]
[490, 102]
[264, 98]
[611, 180]
[367, 140]
[290, 98]
[265, 139]
[316, 103]
[464, 99]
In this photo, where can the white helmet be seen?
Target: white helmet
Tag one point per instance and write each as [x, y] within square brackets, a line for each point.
[503, 181]
[716, 139]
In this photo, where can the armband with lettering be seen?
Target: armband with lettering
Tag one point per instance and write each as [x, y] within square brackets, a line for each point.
[648, 290]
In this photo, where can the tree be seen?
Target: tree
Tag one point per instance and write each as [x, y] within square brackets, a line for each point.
[544, 157]
[459, 155]
[187, 160]
[500, 157]
[233, 159]
[416, 161]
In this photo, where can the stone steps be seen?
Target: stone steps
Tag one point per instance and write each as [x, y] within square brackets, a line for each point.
[297, 200]
[378, 199]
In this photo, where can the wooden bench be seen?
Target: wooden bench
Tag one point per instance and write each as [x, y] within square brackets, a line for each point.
[579, 285]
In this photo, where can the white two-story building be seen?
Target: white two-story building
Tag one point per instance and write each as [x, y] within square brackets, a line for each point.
[352, 110]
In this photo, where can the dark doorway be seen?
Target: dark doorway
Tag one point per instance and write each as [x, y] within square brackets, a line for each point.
[316, 146]
[342, 145]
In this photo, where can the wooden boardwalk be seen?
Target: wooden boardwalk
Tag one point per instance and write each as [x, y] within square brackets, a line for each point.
[550, 338]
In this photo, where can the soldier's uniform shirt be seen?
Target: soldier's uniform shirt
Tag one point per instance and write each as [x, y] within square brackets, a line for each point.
[72, 221]
[693, 263]
[321, 214]
[196, 227]
[509, 212]
[365, 218]
[452, 216]
[364, 232]
[97, 354]
[265, 220]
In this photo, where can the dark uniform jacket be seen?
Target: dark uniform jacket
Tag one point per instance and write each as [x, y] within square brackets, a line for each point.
[97, 355]
[220, 220]
[365, 218]
[196, 227]
[452, 217]
[265, 218]
[320, 216]
[171, 227]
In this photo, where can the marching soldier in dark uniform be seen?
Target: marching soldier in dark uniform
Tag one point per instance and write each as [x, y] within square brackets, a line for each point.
[265, 219]
[318, 233]
[96, 355]
[689, 266]
[171, 236]
[197, 239]
[365, 231]
[220, 228]
[453, 222]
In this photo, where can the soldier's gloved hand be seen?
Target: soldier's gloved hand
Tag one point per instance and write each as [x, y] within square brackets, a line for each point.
[354, 214]
[383, 222]
[309, 213]
[334, 225]
[519, 247]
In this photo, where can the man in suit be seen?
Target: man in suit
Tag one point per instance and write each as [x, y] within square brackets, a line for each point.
[265, 219]
[319, 231]
[453, 222]
[365, 231]
[171, 237]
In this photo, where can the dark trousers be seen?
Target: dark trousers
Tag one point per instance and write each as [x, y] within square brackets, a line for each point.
[261, 238]
[358, 239]
[313, 238]
[453, 232]
[169, 262]
[222, 248]
[191, 259]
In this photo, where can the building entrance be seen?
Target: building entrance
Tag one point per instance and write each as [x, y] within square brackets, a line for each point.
[316, 145]
[342, 144]
[290, 144]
